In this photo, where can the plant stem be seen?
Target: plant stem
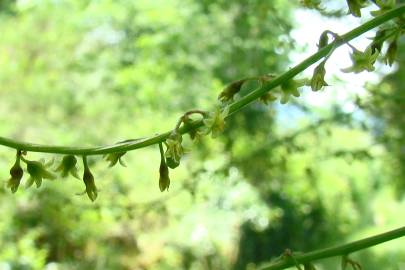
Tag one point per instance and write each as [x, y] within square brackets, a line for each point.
[234, 107]
[341, 250]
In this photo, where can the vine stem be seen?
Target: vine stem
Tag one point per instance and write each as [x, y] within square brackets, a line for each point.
[233, 108]
[341, 250]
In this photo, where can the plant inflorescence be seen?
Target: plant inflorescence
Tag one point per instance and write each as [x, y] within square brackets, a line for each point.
[390, 21]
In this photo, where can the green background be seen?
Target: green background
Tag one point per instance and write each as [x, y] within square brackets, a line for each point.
[98, 72]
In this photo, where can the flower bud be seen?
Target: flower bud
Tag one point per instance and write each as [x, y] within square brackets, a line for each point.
[68, 165]
[323, 40]
[318, 78]
[16, 173]
[231, 90]
[88, 180]
[164, 180]
[91, 188]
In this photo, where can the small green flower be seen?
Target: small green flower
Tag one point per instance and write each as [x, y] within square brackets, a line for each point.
[290, 88]
[215, 122]
[231, 90]
[88, 180]
[16, 173]
[113, 158]
[68, 165]
[355, 7]
[384, 5]
[362, 60]
[318, 78]
[38, 171]
[174, 150]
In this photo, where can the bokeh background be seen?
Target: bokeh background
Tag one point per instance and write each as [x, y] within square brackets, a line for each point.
[325, 169]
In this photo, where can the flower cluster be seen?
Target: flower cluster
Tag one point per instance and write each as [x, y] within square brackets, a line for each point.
[39, 170]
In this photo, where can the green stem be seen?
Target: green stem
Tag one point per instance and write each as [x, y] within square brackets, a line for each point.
[234, 107]
[341, 250]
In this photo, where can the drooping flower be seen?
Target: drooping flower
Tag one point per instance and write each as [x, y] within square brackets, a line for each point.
[68, 165]
[362, 60]
[113, 158]
[174, 150]
[164, 180]
[88, 180]
[38, 171]
[16, 173]
[318, 77]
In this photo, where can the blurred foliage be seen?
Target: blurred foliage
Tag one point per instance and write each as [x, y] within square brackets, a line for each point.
[96, 72]
[386, 103]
